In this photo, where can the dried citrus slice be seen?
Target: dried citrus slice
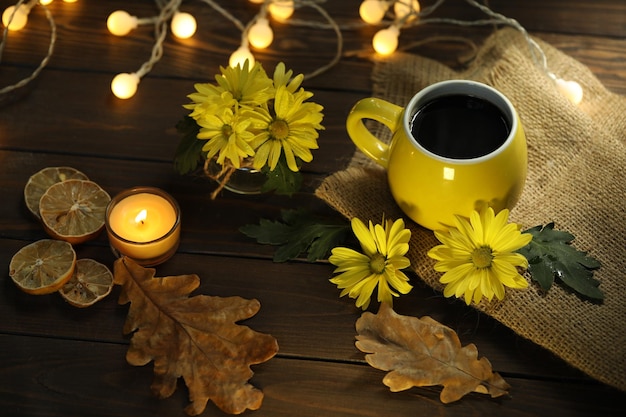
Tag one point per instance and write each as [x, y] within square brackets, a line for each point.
[39, 182]
[74, 210]
[43, 266]
[91, 282]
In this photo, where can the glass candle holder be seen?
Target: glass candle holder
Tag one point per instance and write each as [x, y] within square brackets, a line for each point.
[143, 223]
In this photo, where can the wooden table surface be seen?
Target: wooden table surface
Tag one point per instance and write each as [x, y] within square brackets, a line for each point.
[56, 360]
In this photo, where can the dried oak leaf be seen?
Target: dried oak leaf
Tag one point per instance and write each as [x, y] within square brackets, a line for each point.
[423, 352]
[193, 337]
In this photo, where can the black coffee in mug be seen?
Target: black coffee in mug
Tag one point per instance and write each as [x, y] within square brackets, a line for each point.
[460, 126]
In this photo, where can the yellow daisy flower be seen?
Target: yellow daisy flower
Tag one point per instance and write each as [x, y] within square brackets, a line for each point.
[284, 78]
[249, 86]
[292, 130]
[478, 256]
[227, 137]
[208, 100]
[379, 264]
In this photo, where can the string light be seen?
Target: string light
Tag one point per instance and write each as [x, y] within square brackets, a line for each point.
[183, 25]
[240, 56]
[281, 9]
[570, 89]
[15, 17]
[406, 11]
[44, 61]
[120, 23]
[260, 34]
[373, 11]
[385, 41]
[124, 85]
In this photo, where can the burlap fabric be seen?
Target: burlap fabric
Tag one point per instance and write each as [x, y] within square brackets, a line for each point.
[577, 157]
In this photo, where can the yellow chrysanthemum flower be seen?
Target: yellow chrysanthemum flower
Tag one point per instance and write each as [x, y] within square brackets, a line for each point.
[250, 121]
[236, 86]
[249, 86]
[293, 130]
[284, 78]
[227, 137]
[379, 265]
[478, 256]
[208, 100]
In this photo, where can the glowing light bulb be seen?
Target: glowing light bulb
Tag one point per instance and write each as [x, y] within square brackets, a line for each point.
[402, 8]
[281, 9]
[240, 56]
[373, 11]
[20, 17]
[45, 2]
[570, 89]
[70, 1]
[385, 41]
[257, 1]
[120, 23]
[183, 25]
[260, 34]
[124, 85]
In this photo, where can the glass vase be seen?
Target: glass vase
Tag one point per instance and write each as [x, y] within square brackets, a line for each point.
[243, 180]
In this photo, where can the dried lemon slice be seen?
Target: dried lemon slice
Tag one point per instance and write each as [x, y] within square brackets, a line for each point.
[74, 210]
[39, 182]
[43, 266]
[90, 282]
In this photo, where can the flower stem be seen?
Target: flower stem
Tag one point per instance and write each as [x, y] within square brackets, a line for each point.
[223, 176]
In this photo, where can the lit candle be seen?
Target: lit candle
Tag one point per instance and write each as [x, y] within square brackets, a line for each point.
[143, 223]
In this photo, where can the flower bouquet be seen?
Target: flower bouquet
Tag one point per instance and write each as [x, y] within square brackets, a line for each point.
[247, 120]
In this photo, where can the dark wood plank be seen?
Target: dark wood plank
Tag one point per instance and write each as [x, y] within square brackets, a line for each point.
[93, 122]
[209, 226]
[52, 377]
[58, 360]
[199, 58]
[195, 58]
[299, 307]
[600, 17]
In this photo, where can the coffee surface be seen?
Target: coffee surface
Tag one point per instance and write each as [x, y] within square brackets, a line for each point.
[460, 127]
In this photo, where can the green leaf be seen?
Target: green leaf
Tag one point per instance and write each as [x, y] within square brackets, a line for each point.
[552, 257]
[189, 151]
[298, 232]
[281, 179]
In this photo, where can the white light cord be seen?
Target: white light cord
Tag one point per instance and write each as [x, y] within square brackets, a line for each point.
[44, 61]
[168, 8]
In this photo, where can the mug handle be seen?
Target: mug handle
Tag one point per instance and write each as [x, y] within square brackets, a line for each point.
[381, 111]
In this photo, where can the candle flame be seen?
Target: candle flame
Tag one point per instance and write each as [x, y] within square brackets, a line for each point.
[141, 216]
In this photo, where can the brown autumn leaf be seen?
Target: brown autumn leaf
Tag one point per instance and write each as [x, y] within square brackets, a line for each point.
[196, 338]
[423, 352]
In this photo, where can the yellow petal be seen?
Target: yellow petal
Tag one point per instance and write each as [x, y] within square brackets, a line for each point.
[381, 239]
[364, 236]
[477, 226]
[399, 262]
[341, 254]
[509, 239]
[455, 274]
[515, 259]
[350, 278]
[399, 281]
[475, 296]
[465, 228]
[385, 295]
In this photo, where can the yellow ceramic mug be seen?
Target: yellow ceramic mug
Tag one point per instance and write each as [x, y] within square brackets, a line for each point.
[455, 165]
